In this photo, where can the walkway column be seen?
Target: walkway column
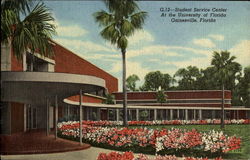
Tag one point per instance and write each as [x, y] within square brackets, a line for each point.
[98, 115]
[194, 114]
[213, 114]
[108, 114]
[166, 114]
[25, 117]
[47, 125]
[137, 114]
[171, 114]
[87, 113]
[155, 114]
[130, 115]
[200, 114]
[186, 114]
[56, 116]
[178, 114]
[68, 112]
[80, 116]
[117, 114]
[90, 114]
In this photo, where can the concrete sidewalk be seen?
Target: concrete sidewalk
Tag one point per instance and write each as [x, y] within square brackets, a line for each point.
[87, 154]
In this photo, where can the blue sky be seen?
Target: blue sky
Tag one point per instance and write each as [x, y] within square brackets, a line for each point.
[161, 45]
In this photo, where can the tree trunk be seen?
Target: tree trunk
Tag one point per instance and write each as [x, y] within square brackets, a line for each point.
[222, 108]
[125, 116]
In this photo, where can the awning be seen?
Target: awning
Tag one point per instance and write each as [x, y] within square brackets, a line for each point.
[36, 87]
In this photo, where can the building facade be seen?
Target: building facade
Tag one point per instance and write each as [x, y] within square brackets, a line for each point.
[33, 88]
[181, 105]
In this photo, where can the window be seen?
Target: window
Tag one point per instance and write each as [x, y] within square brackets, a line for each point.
[36, 64]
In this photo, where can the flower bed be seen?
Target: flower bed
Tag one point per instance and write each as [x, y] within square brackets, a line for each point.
[131, 156]
[166, 122]
[175, 141]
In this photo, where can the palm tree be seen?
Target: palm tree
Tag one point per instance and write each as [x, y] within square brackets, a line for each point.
[24, 29]
[120, 22]
[225, 69]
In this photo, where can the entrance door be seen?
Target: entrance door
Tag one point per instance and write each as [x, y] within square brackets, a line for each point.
[31, 121]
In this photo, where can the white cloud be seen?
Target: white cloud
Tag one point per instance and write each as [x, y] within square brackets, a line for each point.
[132, 68]
[82, 46]
[136, 68]
[151, 50]
[154, 60]
[242, 52]
[201, 62]
[88, 50]
[103, 57]
[139, 37]
[196, 51]
[116, 67]
[71, 31]
[91, 46]
[164, 50]
[204, 42]
[217, 37]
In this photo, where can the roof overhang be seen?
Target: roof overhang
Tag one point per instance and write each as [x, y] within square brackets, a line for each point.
[36, 87]
[120, 106]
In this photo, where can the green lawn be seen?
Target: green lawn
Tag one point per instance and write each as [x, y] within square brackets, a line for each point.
[242, 131]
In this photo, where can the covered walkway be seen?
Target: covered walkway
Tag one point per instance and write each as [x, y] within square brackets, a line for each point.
[114, 112]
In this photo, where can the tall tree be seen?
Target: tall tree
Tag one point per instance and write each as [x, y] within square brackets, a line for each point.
[23, 28]
[120, 22]
[154, 80]
[225, 69]
[207, 80]
[166, 81]
[131, 82]
[244, 87]
[187, 77]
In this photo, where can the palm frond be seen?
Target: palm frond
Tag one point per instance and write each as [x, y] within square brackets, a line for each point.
[124, 7]
[34, 32]
[40, 15]
[103, 18]
[8, 21]
[225, 66]
[127, 28]
[122, 43]
[138, 19]
[123, 19]
[110, 33]
[17, 6]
